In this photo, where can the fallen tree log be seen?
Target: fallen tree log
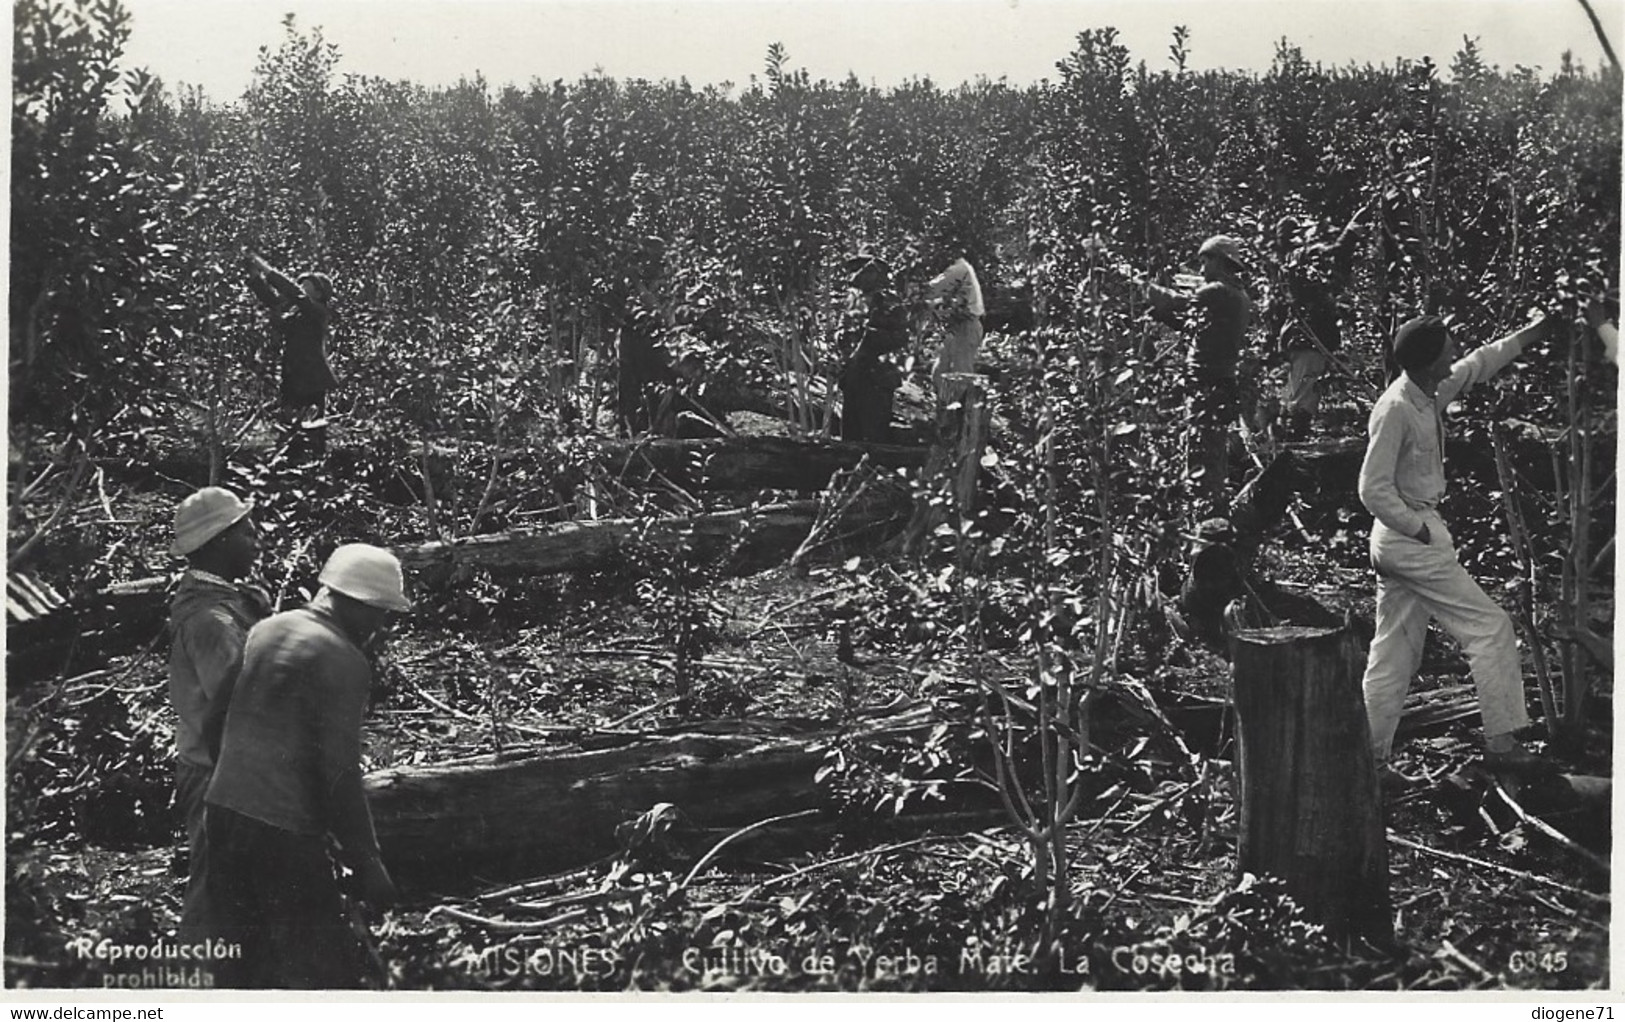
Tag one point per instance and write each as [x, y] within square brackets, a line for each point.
[1431, 711]
[121, 619]
[751, 539]
[1334, 462]
[1206, 723]
[553, 810]
[749, 463]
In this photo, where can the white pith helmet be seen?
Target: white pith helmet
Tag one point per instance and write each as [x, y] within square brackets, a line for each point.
[366, 573]
[205, 515]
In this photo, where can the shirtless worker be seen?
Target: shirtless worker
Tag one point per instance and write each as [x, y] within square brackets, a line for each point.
[289, 778]
[209, 617]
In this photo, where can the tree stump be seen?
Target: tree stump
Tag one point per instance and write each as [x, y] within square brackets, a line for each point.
[1310, 811]
[955, 458]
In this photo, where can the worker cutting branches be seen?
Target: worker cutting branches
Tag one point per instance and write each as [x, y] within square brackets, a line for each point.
[1216, 315]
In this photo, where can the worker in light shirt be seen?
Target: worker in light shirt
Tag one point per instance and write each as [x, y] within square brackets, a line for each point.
[956, 294]
[1419, 577]
[214, 606]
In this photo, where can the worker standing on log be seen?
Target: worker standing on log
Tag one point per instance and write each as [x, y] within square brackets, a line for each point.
[289, 778]
[1305, 313]
[1216, 315]
[300, 310]
[1419, 577]
[956, 295]
[209, 617]
[869, 380]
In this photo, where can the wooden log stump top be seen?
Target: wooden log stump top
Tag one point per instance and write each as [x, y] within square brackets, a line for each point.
[955, 458]
[1310, 808]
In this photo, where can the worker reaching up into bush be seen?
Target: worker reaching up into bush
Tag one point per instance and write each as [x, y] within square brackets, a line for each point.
[289, 778]
[1306, 311]
[1216, 315]
[300, 310]
[1418, 575]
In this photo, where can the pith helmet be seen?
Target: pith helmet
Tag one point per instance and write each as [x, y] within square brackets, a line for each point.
[366, 573]
[1226, 246]
[205, 515]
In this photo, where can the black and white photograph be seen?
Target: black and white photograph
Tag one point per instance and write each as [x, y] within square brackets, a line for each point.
[737, 497]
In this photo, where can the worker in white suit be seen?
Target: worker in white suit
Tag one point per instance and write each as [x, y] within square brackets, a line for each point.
[1419, 577]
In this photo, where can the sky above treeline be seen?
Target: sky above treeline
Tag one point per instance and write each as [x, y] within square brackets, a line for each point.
[215, 44]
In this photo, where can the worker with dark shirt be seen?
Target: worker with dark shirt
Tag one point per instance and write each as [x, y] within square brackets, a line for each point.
[869, 380]
[289, 779]
[300, 310]
[1216, 316]
[1305, 312]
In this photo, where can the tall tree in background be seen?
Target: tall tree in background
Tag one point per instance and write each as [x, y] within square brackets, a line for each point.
[89, 264]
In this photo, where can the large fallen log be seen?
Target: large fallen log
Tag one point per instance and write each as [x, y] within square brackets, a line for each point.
[1206, 722]
[123, 618]
[749, 463]
[750, 539]
[1333, 463]
[551, 810]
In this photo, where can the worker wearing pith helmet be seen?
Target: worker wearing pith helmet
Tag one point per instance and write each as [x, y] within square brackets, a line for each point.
[1216, 317]
[214, 606]
[1224, 247]
[205, 515]
[368, 574]
[289, 777]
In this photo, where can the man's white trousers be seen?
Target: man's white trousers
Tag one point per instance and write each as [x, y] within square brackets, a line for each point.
[1417, 582]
